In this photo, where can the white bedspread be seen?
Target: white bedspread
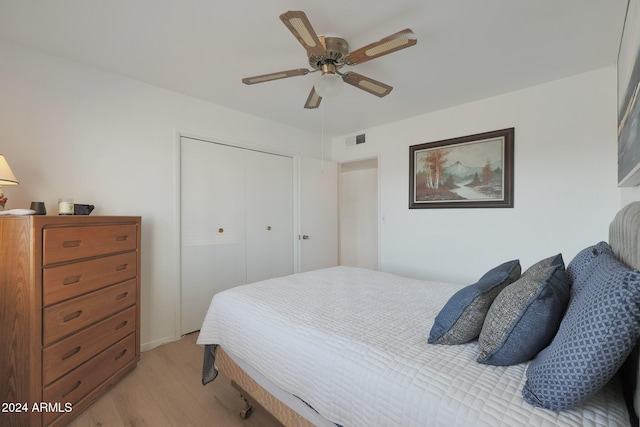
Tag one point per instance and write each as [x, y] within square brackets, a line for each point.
[352, 343]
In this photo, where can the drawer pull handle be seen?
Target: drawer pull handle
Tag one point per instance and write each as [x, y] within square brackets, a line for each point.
[71, 316]
[122, 296]
[72, 243]
[71, 280]
[70, 353]
[122, 353]
[121, 267]
[121, 238]
[122, 325]
[74, 387]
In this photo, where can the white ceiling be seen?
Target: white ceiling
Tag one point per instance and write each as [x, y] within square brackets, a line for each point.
[467, 49]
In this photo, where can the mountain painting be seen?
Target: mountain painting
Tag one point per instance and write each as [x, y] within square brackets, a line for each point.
[475, 169]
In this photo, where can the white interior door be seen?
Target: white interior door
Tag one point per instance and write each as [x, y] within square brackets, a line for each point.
[269, 202]
[212, 225]
[318, 214]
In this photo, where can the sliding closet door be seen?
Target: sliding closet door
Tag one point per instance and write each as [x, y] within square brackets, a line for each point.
[236, 221]
[213, 225]
[269, 202]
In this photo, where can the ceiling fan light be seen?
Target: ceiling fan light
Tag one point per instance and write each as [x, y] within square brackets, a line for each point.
[328, 85]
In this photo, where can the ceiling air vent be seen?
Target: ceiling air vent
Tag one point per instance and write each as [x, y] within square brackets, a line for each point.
[355, 140]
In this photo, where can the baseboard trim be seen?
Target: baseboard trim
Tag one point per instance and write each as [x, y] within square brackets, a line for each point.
[156, 343]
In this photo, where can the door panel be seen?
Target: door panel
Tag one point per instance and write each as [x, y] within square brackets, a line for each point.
[269, 201]
[212, 225]
[318, 199]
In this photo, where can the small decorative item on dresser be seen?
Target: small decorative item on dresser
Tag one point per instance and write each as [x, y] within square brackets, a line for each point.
[79, 209]
[6, 178]
[38, 208]
[65, 206]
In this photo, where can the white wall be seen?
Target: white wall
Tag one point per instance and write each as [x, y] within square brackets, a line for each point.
[74, 131]
[565, 180]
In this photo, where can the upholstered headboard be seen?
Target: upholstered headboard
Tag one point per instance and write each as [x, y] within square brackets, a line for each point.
[624, 238]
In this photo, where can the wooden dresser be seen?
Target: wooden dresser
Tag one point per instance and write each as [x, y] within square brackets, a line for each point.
[69, 313]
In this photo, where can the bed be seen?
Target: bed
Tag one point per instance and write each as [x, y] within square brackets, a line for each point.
[350, 347]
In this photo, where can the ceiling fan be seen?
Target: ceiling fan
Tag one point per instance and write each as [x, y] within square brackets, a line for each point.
[329, 54]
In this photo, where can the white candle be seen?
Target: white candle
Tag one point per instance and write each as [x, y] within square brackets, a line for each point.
[65, 207]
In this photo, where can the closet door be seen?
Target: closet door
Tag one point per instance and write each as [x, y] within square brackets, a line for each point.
[269, 203]
[212, 225]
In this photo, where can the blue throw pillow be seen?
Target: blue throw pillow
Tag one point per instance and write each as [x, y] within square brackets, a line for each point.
[461, 318]
[525, 316]
[599, 330]
[581, 266]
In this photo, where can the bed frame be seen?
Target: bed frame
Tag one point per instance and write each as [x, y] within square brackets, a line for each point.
[254, 394]
[624, 238]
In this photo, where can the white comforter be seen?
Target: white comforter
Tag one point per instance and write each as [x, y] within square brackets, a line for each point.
[352, 343]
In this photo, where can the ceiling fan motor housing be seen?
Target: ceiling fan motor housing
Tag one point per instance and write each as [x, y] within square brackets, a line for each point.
[336, 52]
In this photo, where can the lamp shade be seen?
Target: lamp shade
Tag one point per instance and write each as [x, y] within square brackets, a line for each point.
[6, 174]
[328, 85]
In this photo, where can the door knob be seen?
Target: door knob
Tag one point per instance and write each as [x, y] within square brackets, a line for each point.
[268, 228]
[221, 230]
[305, 237]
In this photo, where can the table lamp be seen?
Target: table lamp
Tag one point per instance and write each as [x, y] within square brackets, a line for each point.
[6, 178]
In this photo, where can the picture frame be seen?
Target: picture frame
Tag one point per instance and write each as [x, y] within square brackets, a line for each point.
[474, 171]
[628, 68]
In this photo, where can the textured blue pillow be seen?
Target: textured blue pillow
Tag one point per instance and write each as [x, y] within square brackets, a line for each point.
[525, 316]
[461, 318]
[599, 330]
[581, 266]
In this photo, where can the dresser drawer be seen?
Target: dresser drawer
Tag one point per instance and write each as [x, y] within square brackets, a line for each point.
[60, 358]
[71, 243]
[70, 280]
[66, 317]
[79, 382]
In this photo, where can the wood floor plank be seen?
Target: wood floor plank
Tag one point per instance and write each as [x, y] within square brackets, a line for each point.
[166, 390]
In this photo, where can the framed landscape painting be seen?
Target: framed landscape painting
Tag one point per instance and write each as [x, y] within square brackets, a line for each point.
[474, 171]
[628, 101]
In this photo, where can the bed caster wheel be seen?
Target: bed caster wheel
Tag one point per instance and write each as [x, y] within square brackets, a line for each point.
[246, 413]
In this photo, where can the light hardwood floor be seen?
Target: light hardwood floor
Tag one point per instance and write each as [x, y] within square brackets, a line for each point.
[166, 390]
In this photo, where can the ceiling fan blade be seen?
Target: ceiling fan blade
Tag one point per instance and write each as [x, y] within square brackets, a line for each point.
[400, 40]
[367, 84]
[313, 101]
[299, 25]
[274, 76]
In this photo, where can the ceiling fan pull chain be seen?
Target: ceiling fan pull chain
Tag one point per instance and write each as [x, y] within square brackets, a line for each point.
[322, 133]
